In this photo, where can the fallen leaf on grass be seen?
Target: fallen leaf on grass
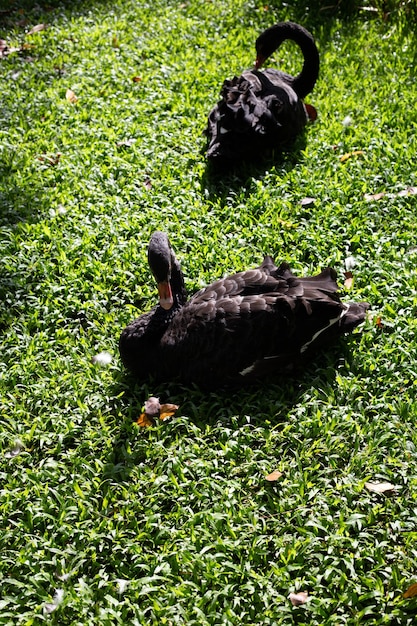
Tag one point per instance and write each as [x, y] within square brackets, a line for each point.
[307, 201]
[273, 476]
[50, 159]
[348, 280]
[143, 421]
[408, 191]
[70, 96]
[154, 409]
[298, 598]
[374, 196]
[411, 591]
[136, 79]
[348, 155]
[387, 488]
[126, 143]
[378, 322]
[36, 29]
[6, 50]
[167, 410]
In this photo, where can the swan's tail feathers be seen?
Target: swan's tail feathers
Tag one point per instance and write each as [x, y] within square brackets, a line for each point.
[355, 315]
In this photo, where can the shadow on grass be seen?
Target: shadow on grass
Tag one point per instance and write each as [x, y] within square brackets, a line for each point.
[220, 179]
[15, 13]
[268, 403]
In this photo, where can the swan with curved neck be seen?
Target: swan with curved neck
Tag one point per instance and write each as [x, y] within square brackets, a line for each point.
[238, 329]
[261, 111]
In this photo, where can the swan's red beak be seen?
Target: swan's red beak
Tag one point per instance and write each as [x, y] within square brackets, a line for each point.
[165, 295]
[311, 112]
[260, 60]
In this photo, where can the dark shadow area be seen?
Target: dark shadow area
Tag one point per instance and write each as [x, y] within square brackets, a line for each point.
[267, 401]
[15, 13]
[219, 179]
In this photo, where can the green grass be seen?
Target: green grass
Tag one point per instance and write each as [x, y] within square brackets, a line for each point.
[182, 510]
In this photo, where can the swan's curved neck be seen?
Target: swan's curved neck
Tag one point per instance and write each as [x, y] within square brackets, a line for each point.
[272, 38]
[177, 283]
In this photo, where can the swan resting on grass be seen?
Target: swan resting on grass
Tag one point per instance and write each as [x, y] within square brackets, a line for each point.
[258, 322]
[261, 111]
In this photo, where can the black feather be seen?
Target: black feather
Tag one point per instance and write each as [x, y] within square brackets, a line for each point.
[262, 111]
[247, 325]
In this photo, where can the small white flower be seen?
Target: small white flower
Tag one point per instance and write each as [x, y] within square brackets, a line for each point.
[350, 263]
[17, 448]
[122, 585]
[347, 121]
[102, 358]
[50, 607]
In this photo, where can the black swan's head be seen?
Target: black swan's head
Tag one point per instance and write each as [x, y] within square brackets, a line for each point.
[166, 271]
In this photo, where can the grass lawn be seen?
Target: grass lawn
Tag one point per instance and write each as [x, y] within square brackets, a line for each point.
[102, 116]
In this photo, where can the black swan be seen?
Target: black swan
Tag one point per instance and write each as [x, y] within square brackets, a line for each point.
[262, 111]
[237, 329]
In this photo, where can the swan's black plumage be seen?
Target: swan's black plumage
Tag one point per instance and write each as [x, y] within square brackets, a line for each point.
[239, 328]
[260, 111]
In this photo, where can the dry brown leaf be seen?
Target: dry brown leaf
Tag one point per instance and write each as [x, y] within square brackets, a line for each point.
[148, 183]
[374, 196]
[348, 155]
[144, 421]
[50, 159]
[136, 79]
[381, 487]
[153, 410]
[70, 96]
[36, 29]
[273, 476]
[408, 191]
[378, 322]
[167, 410]
[411, 591]
[298, 598]
[348, 280]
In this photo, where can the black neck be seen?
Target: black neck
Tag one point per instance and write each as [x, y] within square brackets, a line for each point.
[272, 38]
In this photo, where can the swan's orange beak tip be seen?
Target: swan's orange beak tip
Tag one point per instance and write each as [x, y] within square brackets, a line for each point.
[166, 299]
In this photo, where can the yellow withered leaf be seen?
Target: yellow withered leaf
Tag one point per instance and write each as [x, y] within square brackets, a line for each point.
[411, 591]
[348, 155]
[144, 421]
[167, 410]
[70, 96]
